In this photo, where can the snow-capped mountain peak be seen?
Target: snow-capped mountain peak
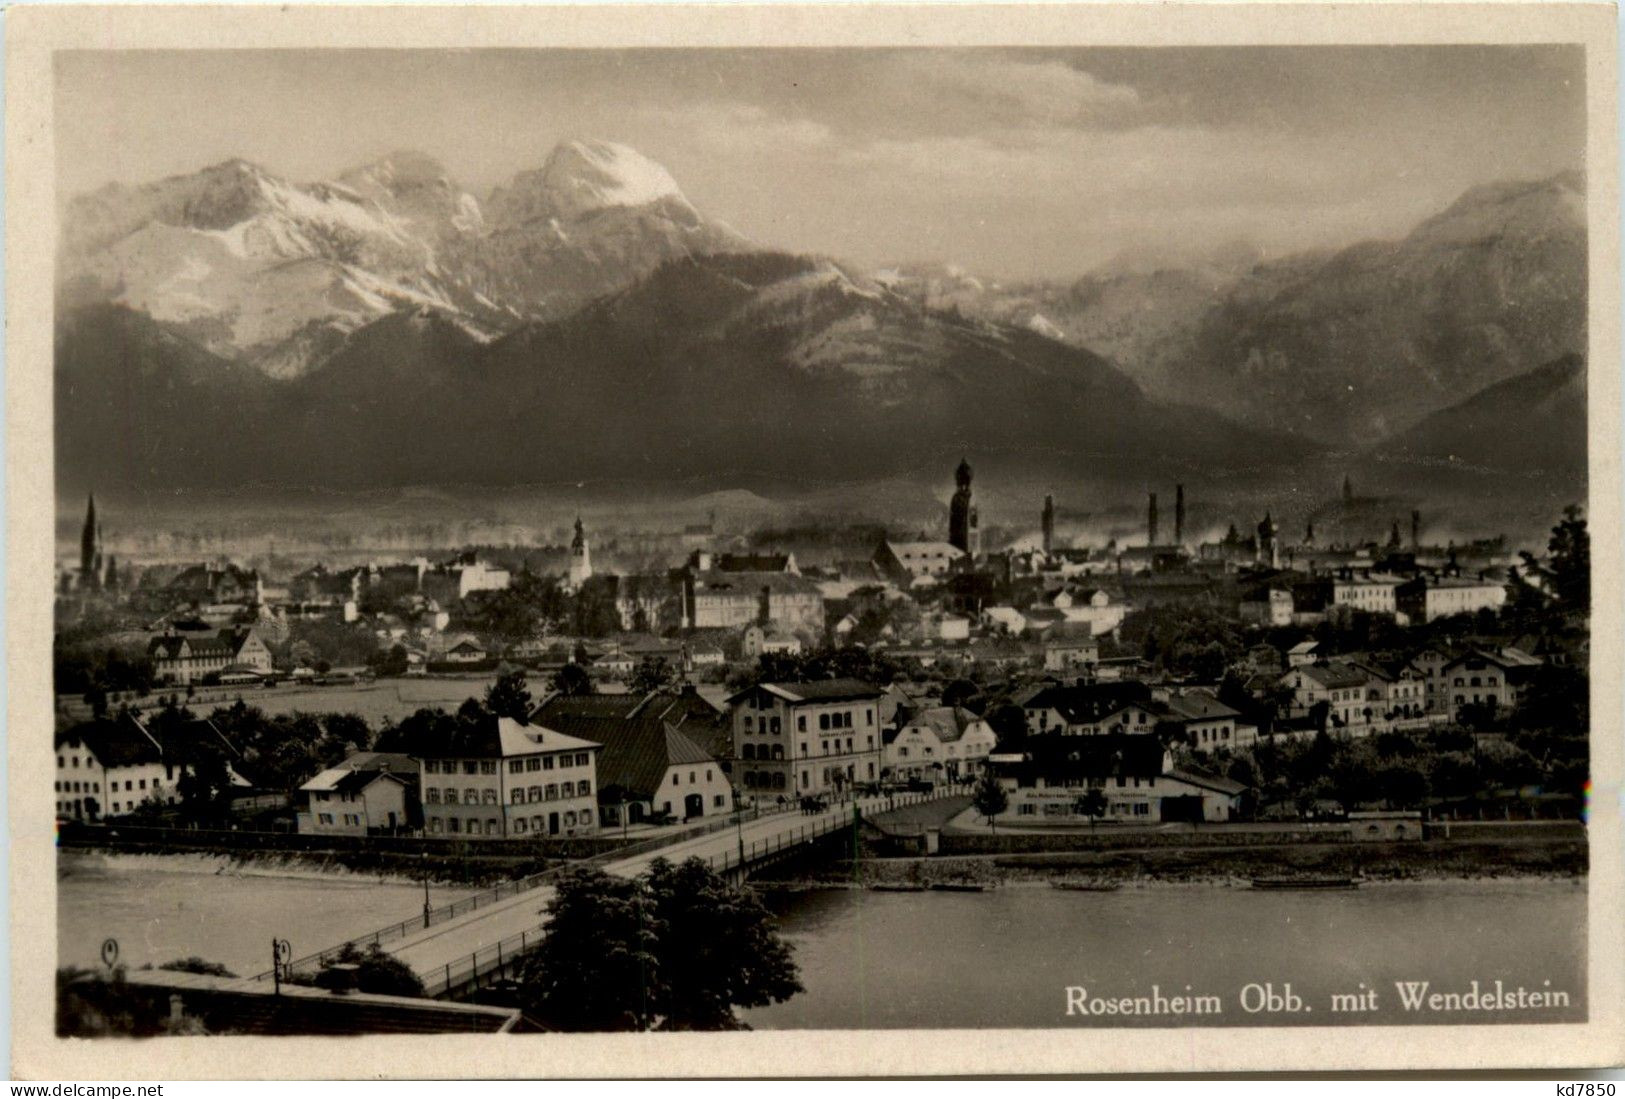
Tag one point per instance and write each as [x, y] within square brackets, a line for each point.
[584, 176]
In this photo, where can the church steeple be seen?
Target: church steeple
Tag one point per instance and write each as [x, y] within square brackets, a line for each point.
[90, 547]
[962, 526]
[580, 557]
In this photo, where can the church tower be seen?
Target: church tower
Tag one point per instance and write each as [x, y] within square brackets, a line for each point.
[90, 548]
[1269, 549]
[580, 558]
[962, 526]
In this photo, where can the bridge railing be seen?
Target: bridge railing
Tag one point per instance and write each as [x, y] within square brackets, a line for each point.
[500, 955]
[502, 958]
[501, 891]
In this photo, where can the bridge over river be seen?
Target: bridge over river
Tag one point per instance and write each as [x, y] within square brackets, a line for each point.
[459, 945]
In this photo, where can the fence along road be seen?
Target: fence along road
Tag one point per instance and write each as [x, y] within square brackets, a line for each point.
[488, 938]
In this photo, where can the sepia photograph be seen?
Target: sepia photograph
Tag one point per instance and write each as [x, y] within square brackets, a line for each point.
[556, 539]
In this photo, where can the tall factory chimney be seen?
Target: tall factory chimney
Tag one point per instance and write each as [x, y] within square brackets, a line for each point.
[1151, 521]
[1179, 515]
[1048, 523]
[1416, 530]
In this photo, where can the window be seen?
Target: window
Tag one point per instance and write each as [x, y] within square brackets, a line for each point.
[518, 796]
[471, 766]
[583, 788]
[584, 758]
[471, 796]
[717, 801]
[552, 791]
[473, 827]
[535, 793]
[547, 763]
[431, 766]
[868, 716]
[677, 779]
[691, 778]
[451, 796]
[488, 766]
[516, 766]
[778, 751]
[453, 825]
[534, 763]
[519, 824]
[570, 818]
[60, 762]
[823, 721]
[143, 784]
[749, 752]
[801, 727]
[490, 797]
[432, 795]
[492, 828]
[324, 818]
[708, 774]
[1121, 781]
[774, 726]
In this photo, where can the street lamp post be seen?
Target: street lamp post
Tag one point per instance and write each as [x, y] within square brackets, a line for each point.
[427, 908]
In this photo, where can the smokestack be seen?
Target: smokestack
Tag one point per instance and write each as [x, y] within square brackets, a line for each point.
[1416, 530]
[1179, 515]
[1048, 522]
[1151, 521]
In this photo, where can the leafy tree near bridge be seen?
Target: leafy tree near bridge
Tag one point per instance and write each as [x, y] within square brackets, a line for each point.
[676, 948]
[717, 949]
[990, 798]
[599, 966]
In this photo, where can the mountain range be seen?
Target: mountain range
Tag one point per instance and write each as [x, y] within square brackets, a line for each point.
[1347, 346]
[585, 322]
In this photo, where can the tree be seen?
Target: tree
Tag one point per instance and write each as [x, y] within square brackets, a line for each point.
[717, 949]
[598, 968]
[392, 662]
[990, 798]
[194, 964]
[509, 696]
[1008, 722]
[961, 692]
[205, 785]
[572, 679]
[1566, 574]
[652, 674]
[1092, 804]
[376, 972]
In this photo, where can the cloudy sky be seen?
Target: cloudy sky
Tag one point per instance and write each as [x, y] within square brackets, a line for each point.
[1006, 162]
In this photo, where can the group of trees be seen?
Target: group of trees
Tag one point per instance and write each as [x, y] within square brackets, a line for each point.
[676, 948]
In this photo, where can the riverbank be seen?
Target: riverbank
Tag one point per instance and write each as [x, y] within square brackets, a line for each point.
[1463, 860]
[391, 868]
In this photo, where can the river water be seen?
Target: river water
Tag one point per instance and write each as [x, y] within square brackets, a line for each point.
[1004, 958]
[163, 907]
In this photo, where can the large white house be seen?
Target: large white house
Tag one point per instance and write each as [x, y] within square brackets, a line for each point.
[368, 792]
[187, 657]
[657, 752]
[503, 778]
[1134, 775]
[112, 766]
[938, 744]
